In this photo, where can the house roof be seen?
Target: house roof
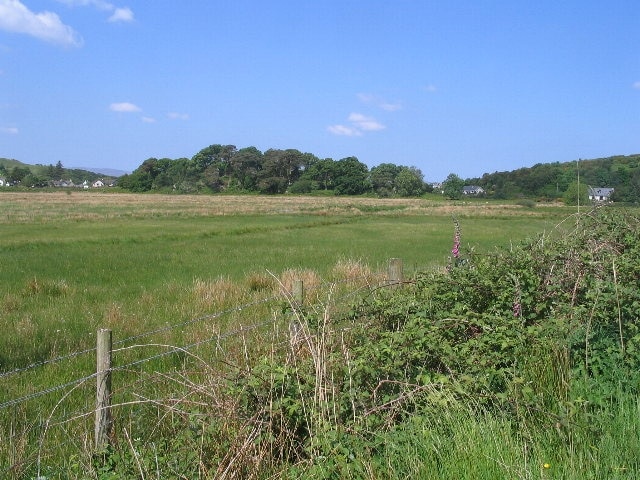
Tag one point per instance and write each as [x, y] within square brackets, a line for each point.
[601, 191]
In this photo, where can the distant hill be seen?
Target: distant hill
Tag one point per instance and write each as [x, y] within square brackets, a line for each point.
[43, 175]
[111, 172]
[551, 180]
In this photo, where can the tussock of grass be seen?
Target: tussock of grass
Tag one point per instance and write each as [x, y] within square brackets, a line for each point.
[216, 294]
[310, 279]
[354, 272]
[260, 282]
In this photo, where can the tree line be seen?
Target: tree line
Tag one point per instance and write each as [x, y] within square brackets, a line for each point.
[40, 176]
[224, 168]
[559, 180]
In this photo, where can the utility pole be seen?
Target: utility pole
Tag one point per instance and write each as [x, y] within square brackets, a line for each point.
[578, 167]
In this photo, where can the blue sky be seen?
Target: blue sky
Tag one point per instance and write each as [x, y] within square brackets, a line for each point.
[464, 87]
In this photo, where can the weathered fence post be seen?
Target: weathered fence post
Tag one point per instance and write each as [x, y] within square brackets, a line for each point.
[298, 292]
[104, 420]
[395, 274]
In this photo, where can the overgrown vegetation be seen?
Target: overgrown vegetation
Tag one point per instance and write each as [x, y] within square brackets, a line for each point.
[539, 342]
[514, 362]
[553, 180]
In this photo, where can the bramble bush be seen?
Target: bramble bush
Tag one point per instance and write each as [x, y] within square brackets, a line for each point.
[544, 331]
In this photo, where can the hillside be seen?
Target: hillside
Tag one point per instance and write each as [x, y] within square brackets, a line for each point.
[551, 180]
[17, 172]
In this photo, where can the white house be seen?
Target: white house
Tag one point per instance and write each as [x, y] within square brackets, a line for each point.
[472, 190]
[98, 184]
[600, 194]
[3, 182]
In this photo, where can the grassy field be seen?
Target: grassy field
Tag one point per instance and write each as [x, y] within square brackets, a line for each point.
[73, 263]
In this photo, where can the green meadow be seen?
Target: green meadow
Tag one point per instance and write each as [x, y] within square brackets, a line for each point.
[71, 264]
[69, 260]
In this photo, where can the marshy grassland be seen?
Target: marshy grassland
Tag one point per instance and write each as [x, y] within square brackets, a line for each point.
[76, 262]
[162, 271]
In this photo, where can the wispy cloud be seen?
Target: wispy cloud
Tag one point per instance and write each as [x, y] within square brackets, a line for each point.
[178, 116]
[364, 123]
[431, 88]
[118, 14]
[636, 85]
[375, 100]
[9, 130]
[344, 130]
[148, 120]
[358, 124]
[125, 107]
[17, 18]
[121, 15]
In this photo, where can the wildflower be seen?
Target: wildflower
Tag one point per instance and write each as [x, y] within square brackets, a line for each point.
[517, 311]
[546, 466]
[455, 251]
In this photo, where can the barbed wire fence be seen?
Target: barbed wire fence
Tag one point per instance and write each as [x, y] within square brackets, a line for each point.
[74, 407]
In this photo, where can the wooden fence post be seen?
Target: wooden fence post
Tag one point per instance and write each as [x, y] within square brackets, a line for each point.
[395, 274]
[104, 421]
[298, 292]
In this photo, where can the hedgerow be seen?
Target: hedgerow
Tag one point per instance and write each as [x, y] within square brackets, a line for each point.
[543, 331]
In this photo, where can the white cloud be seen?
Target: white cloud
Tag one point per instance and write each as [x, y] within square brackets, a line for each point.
[124, 107]
[636, 85]
[102, 5]
[430, 88]
[9, 130]
[118, 14]
[359, 124]
[121, 15]
[178, 116]
[47, 26]
[148, 120]
[343, 130]
[364, 123]
[370, 99]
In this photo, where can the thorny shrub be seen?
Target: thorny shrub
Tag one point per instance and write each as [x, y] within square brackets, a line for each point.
[547, 327]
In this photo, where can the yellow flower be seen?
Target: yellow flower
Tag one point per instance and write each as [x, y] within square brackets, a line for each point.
[546, 465]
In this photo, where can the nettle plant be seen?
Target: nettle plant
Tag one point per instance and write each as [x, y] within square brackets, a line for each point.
[547, 327]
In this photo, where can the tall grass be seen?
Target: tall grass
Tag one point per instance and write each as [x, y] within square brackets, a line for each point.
[72, 264]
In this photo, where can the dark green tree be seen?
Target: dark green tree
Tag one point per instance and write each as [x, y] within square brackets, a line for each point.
[245, 166]
[410, 182]
[383, 179]
[452, 186]
[136, 181]
[576, 194]
[323, 172]
[58, 171]
[352, 177]
[16, 174]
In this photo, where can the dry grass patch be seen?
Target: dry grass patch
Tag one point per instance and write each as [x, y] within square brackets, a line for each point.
[50, 207]
[217, 293]
[354, 273]
[260, 282]
[310, 280]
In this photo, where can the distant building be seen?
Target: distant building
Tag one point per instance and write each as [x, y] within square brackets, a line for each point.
[600, 194]
[3, 182]
[472, 190]
[98, 184]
